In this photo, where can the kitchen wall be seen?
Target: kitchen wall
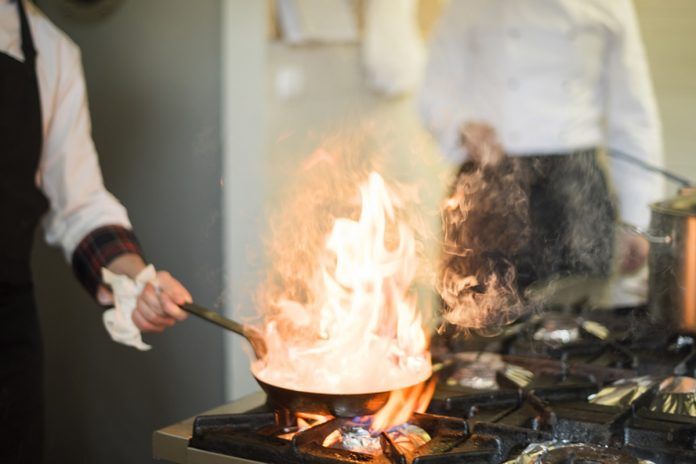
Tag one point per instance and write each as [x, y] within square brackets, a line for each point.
[245, 115]
[669, 31]
[153, 73]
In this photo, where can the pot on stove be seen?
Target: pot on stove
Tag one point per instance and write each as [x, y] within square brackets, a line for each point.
[672, 258]
[672, 261]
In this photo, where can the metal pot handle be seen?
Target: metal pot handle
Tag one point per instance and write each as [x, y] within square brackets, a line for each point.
[666, 239]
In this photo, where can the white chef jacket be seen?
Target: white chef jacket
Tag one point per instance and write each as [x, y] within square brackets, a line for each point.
[68, 173]
[552, 76]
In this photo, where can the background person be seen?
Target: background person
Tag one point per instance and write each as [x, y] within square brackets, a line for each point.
[523, 94]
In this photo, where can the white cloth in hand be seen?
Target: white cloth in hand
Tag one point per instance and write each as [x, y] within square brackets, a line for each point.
[118, 320]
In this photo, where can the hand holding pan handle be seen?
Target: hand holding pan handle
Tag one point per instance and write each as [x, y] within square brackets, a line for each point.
[250, 333]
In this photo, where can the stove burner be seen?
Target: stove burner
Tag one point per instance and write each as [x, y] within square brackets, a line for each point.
[409, 437]
[485, 371]
[354, 438]
[357, 438]
[564, 453]
[477, 370]
[539, 404]
[622, 393]
[596, 329]
[558, 331]
[677, 395]
[681, 342]
[519, 375]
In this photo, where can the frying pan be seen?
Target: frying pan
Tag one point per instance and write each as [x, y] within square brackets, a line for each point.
[280, 398]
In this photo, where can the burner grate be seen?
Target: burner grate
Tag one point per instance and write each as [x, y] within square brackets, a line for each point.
[544, 401]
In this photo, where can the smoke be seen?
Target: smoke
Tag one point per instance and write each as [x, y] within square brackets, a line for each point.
[485, 222]
[524, 224]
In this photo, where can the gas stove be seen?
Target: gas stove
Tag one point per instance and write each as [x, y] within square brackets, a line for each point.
[569, 387]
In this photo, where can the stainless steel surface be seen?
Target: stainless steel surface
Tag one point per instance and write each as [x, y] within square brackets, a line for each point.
[170, 444]
[672, 266]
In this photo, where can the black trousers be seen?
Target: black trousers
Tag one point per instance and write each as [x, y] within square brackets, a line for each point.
[21, 378]
[529, 219]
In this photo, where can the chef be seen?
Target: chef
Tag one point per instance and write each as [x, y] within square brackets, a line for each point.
[49, 172]
[522, 94]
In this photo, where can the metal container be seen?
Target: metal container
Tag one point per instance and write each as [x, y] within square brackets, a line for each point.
[672, 262]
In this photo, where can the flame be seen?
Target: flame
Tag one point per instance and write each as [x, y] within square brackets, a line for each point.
[402, 404]
[332, 439]
[304, 421]
[344, 318]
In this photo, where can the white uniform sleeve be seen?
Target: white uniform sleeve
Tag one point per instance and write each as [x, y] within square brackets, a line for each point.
[633, 125]
[442, 99]
[69, 173]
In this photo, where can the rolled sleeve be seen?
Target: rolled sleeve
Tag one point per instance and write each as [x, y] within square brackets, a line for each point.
[98, 249]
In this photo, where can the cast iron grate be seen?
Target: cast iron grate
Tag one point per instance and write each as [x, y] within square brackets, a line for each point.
[494, 426]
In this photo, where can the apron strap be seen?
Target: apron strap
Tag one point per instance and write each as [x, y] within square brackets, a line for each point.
[27, 41]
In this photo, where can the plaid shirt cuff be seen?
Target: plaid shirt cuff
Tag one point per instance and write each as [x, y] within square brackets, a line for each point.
[97, 250]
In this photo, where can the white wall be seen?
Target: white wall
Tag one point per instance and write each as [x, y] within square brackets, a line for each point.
[244, 62]
[669, 32]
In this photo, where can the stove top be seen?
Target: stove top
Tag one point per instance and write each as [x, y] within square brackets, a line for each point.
[567, 388]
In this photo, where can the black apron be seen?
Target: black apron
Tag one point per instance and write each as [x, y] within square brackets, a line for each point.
[21, 206]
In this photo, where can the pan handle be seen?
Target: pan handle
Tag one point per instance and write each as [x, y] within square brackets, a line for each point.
[666, 239]
[252, 334]
[212, 316]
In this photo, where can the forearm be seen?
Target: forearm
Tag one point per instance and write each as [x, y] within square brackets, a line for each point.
[129, 264]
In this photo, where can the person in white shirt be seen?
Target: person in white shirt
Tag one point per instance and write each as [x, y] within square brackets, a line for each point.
[526, 92]
[49, 171]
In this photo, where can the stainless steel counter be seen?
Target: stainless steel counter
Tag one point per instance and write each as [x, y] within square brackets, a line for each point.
[170, 444]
